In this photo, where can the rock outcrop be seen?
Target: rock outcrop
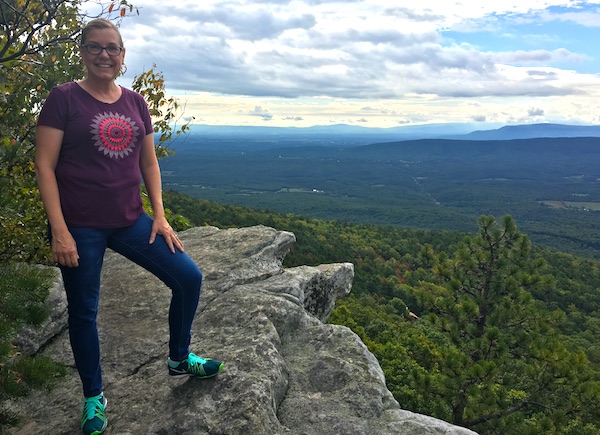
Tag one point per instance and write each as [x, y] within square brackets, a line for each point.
[286, 371]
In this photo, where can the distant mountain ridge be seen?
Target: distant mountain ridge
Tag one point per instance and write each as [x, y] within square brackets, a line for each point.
[534, 153]
[532, 131]
[464, 131]
[400, 132]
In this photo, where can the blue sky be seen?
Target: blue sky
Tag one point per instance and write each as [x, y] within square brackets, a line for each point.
[375, 63]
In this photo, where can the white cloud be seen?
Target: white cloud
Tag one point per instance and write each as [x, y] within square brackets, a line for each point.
[587, 18]
[360, 52]
[262, 113]
[535, 111]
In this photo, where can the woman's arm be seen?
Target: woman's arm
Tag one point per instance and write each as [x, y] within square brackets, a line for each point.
[152, 180]
[47, 150]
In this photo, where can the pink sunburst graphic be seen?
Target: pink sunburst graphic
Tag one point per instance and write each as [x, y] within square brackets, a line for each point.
[114, 134]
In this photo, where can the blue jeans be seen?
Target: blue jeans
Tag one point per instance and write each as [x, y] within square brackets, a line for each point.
[177, 270]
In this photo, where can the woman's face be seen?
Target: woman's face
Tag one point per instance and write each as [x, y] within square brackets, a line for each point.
[102, 66]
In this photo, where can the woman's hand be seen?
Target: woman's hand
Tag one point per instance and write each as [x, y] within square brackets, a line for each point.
[162, 227]
[64, 249]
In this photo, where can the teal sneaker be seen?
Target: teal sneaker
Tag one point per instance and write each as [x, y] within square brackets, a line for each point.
[194, 366]
[93, 420]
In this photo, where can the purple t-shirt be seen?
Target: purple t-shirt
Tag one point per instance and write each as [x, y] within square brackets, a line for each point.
[98, 171]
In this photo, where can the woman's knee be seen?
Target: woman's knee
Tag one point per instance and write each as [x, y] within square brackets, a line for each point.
[80, 316]
[185, 276]
[193, 277]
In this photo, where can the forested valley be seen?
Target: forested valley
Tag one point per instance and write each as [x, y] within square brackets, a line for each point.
[482, 329]
[551, 186]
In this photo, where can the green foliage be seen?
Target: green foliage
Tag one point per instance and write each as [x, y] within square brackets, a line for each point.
[22, 221]
[509, 355]
[29, 27]
[35, 57]
[23, 292]
[27, 373]
[166, 112]
[177, 221]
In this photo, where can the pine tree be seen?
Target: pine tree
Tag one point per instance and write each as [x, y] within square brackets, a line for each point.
[507, 364]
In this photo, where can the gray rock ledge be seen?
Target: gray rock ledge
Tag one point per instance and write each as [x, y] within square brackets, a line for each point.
[286, 372]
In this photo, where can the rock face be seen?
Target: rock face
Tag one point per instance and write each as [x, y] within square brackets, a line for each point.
[286, 372]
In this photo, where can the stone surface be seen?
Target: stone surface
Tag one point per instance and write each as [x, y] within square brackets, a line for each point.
[286, 372]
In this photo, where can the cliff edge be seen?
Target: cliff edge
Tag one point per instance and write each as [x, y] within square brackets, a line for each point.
[286, 371]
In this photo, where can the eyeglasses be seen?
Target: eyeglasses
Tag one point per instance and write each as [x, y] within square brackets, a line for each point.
[112, 50]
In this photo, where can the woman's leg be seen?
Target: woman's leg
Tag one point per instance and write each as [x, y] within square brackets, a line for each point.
[177, 270]
[82, 284]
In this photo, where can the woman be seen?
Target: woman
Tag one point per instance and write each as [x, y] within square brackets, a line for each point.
[94, 138]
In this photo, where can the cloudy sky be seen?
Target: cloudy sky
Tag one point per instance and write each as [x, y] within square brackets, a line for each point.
[375, 63]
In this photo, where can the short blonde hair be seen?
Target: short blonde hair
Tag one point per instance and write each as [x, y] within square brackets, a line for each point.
[99, 23]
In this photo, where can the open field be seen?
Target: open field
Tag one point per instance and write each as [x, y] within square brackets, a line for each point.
[585, 206]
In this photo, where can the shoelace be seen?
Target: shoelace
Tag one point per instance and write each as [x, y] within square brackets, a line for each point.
[93, 407]
[195, 364]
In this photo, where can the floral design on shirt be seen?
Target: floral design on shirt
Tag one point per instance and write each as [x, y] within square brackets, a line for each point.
[114, 134]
